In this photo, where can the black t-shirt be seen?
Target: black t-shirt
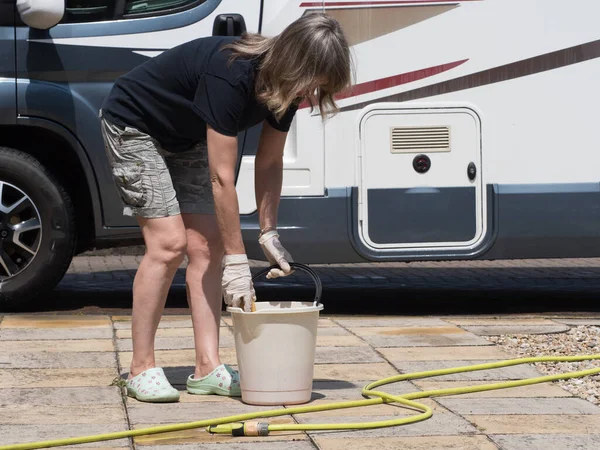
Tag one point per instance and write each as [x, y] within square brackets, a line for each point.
[174, 95]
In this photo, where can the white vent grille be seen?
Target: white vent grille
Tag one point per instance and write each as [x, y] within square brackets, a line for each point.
[420, 139]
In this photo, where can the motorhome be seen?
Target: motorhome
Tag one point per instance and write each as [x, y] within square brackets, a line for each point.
[469, 132]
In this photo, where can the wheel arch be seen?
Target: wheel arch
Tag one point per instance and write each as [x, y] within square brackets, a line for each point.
[63, 155]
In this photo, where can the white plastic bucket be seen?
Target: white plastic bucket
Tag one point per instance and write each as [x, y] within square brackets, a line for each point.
[275, 348]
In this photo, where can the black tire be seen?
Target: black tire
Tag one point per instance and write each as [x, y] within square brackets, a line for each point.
[32, 274]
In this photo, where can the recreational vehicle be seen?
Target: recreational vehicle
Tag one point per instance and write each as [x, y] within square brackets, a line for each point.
[469, 133]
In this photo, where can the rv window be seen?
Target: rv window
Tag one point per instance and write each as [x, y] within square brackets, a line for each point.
[100, 10]
[89, 10]
[151, 7]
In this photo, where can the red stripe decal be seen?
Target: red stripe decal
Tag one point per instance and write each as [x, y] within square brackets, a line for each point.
[376, 3]
[393, 81]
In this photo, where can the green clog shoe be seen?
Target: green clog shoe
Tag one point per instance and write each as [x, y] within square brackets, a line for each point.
[221, 381]
[152, 386]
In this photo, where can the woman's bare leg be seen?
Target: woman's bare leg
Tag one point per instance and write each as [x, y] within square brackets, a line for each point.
[165, 240]
[203, 281]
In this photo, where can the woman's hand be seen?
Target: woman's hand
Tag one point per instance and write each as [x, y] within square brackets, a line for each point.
[276, 254]
[237, 286]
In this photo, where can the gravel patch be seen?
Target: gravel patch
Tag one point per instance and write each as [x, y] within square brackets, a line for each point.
[580, 340]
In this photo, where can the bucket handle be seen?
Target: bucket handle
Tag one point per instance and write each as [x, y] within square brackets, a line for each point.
[312, 273]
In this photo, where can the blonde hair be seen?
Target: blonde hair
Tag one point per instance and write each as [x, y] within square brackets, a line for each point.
[310, 57]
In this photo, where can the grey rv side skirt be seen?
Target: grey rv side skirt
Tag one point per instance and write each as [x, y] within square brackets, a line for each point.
[524, 221]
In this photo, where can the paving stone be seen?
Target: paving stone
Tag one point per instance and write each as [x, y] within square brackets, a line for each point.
[534, 390]
[353, 322]
[391, 411]
[174, 343]
[232, 445]
[534, 424]
[496, 330]
[201, 436]
[165, 322]
[505, 373]
[23, 378]
[424, 337]
[578, 322]
[407, 443]
[164, 413]
[345, 355]
[333, 331]
[164, 343]
[175, 318]
[406, 331]
[39, 360]
[498, 320]
[56, 321]
[547, 441]
[340, 341]
[99, 395]
[32, 334]
[59, 346]
[353, 372]
[442, 353]
[185, 397]
[178, 358]
[344, 390]
[325, 322]
[519, 406]
[437, 425]
[169, 332]
[59, 414]
[121, 318]
[21, 434]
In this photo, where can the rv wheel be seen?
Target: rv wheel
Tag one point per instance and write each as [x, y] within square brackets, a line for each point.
[37, 229]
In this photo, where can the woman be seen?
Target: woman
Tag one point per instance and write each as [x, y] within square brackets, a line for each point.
[170, 129]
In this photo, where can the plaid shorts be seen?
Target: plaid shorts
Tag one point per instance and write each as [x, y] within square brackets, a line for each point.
[153, 182]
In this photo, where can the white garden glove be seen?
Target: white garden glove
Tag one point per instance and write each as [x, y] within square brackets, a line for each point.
[237, 286]
[276, 254]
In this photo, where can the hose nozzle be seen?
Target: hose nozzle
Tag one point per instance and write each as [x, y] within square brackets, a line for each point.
[256, 429]
[241, 429]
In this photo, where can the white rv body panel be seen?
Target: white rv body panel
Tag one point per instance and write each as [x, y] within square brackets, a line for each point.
[488, 34]
[304, 153]
[534, 128]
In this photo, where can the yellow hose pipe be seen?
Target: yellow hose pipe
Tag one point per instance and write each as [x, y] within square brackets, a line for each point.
[247, 425]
